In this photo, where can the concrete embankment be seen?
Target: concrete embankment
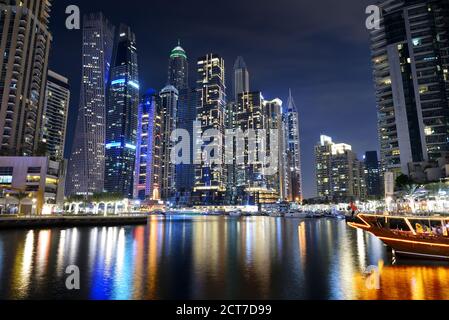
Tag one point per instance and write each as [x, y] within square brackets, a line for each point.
[71, 221]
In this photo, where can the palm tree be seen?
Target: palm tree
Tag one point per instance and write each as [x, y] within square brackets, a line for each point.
[410, 190]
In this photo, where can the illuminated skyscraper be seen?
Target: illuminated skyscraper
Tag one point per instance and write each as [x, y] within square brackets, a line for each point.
[147, 179]
[274, 126]
[54, 124]
[169, 104]
[87, 163]
[372, 174]
[261, 122]
[25, 43]
[339, 173]
[411, 72]
[232, 193]
[210, 177]
[323, 154]
[178, 69]
[293, 151]
[178, 77]
[121, 117]
[249, 175]
[241, 78]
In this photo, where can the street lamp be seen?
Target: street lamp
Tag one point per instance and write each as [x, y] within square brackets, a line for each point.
[34, 205]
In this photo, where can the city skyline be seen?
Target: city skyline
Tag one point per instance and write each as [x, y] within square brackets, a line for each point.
[339, 101]
[214, 151]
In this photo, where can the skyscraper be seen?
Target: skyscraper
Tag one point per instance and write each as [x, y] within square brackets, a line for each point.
[257, 171]
[178, 69]
[56, 109]
[233, 194]
[339, 172]
[185, 172]
[210, 176]
[169, 105]
[372, 174]
[249, 169]
[87, 163]
[25, 39]
[323, 157]
[147, 179]
[411, 72]
[178, 77]
[121, 117]
[240, 83]
[273, 124]
[293, 150]
[241, 78]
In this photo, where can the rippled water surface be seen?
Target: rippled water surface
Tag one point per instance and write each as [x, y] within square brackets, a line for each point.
[212, 258]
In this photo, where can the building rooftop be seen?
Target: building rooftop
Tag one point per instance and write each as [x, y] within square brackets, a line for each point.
[178, 52]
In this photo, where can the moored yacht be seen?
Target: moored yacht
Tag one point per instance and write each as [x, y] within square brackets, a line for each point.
[295, 214]
[236, 213]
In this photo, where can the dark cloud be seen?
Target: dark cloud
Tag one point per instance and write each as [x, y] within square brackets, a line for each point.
[318, 48]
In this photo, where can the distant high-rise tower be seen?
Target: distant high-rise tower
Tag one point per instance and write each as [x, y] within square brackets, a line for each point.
[87, 163]
[274, 126]
[178, 69]
[372, 174]
[233, 195]
[54, 124]
[169, 104]
[25, 43]
[411, 71]
[293, 150]
[147, 179]
[323, 157]
[210, 178]
[261, 120]
[338, 171]
[121, 117]
[178, 77]
[186, 116]
[250, 115]
[241, 78]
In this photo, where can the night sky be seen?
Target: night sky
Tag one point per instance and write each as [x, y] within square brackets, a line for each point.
[319, 49]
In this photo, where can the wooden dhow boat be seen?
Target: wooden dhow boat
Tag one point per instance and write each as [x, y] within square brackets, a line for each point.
[412, 236]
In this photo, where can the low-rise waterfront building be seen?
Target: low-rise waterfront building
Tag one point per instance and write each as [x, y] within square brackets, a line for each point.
[36, 184]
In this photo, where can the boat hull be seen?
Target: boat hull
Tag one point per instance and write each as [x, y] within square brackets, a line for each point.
[406, 244]
[418, 248]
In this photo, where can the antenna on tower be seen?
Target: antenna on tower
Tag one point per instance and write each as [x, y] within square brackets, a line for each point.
[291, 105]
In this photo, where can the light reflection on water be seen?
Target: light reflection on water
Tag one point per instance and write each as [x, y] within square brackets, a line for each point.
[211, 258]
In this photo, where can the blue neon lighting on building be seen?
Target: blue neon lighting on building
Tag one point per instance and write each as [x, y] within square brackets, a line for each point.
[113, 145]
[134, 84]
[130, 146]
[118, 81]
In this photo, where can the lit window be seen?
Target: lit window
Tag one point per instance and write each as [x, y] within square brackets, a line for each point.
[428, 131]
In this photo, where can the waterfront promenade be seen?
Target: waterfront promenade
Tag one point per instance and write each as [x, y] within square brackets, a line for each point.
[11, 222]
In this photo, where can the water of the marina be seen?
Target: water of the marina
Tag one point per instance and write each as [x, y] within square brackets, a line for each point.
[212, 258]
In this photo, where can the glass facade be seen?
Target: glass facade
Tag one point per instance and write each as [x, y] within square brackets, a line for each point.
[122, 116]
[147, 174]
[87, 162]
